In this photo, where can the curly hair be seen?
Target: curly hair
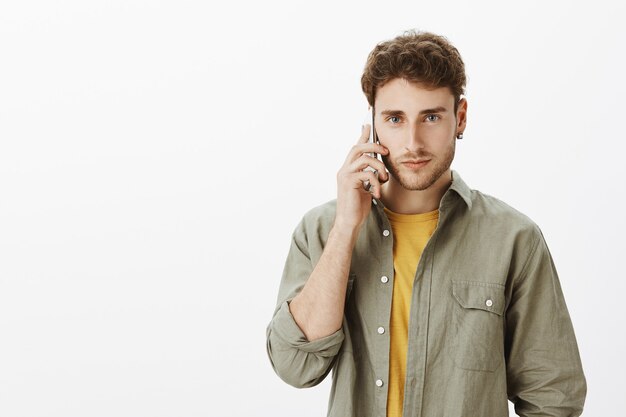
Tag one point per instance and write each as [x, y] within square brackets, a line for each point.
[417, 56]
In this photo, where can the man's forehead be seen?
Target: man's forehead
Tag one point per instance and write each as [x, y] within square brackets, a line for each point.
[400, 94]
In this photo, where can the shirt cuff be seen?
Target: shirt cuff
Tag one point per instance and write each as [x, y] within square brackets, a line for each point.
[288, 330]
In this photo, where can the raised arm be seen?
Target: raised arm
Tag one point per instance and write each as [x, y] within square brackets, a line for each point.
[305, 333]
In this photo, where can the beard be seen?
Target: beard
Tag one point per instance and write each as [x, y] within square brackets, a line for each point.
[425, 176]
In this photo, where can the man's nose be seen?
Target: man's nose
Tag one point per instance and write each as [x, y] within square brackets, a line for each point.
[415, 139]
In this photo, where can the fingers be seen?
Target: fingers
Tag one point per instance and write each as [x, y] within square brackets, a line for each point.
[361, 170]
[367, 181]
[365, 161]
[365, 148]
[365, 133]
[356, 180]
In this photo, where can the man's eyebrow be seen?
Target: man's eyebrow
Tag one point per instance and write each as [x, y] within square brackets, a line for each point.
[439, 109]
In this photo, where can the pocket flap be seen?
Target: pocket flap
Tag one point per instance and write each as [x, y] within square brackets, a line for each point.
[488, 296]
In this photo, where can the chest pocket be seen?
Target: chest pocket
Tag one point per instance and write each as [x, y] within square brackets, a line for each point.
[477, 325]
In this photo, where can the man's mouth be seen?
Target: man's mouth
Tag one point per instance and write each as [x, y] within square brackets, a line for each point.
[417, 163]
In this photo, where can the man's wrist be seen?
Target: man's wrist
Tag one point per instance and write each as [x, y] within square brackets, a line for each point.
[344, 231]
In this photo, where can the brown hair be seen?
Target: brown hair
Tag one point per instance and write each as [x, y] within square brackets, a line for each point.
[421, 57]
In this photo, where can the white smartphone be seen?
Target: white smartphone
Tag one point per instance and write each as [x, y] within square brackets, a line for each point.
[373, 138]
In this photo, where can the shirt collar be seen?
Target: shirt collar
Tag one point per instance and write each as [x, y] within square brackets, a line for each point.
[461, 188]
[458, 185]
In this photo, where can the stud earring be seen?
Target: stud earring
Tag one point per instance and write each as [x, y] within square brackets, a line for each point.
[460, 136]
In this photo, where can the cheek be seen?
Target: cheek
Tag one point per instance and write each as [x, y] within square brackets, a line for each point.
[442, 148]
[393, 153]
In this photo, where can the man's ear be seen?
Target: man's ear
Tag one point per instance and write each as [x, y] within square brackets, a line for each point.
[461, 114]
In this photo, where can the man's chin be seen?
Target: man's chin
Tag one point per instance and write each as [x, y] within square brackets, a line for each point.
[416, 181]
[416, 184]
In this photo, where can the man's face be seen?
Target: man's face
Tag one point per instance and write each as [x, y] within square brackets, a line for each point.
[417, 124]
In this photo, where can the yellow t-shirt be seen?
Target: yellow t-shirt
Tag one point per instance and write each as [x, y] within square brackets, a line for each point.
[411, 232]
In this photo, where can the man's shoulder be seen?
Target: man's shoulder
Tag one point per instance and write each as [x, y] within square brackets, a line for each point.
[322, 214]
[500, 213]
[316, 223]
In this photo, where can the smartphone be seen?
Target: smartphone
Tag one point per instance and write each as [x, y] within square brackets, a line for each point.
[373, 138]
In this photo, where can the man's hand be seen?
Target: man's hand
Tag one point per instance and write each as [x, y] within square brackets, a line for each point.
[353, 202]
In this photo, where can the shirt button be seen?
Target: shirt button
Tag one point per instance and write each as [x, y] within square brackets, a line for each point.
[384, 279]
[379, 382]
[381, 330]
[489, 303]
[385, 232]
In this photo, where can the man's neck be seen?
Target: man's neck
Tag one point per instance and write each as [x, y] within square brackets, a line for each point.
[400, 200]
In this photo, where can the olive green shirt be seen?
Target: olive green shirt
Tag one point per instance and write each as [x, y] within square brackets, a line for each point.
[488, 320]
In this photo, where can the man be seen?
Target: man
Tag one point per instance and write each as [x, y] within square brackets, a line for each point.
[423, 296]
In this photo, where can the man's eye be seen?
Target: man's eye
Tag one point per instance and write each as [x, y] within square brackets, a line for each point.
[432, 115]
[394, 117]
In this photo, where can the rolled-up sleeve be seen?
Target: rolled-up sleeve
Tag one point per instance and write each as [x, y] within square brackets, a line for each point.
[544, 371]
[296, 360]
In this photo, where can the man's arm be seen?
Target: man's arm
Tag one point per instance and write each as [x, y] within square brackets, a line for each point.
[305, 333]
[544, 371]
[318, 308]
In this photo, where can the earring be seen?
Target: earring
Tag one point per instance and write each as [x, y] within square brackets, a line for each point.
[460, 136]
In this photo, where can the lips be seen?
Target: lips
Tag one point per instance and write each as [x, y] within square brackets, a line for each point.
[416, 163]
